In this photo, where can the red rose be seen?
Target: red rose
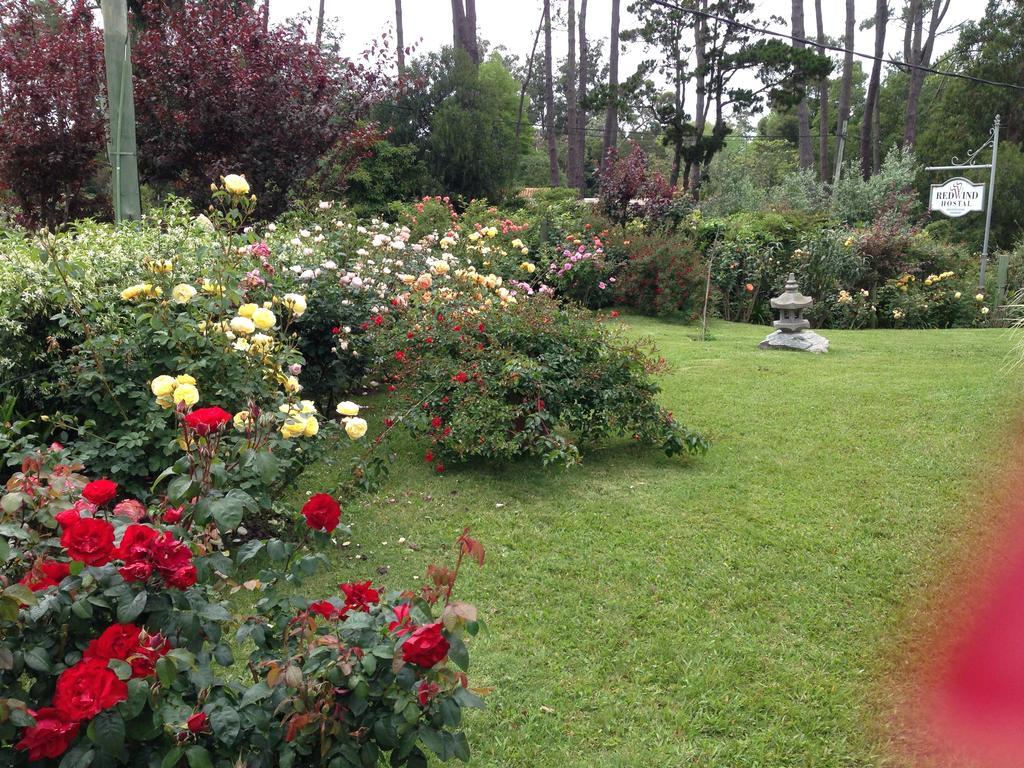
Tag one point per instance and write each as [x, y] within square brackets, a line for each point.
[322, 512]
[130, 508]
[402, 625]
[198, 722]
[327, 609]
[181, 578]
[359, 596]
[335, 330]
[439, 468]
[99, 492]
[168, 554]
[144, 658]
[426, 646]
[462, 377]
[400, 356]
[67, 518]
[45, 573]
[135, 543]
[436, 422]
[202, 421]
[50, 737]
[173, 515]
[428, 457]
[90, 541]
[86, 689]
[118, 641]
[138, 571]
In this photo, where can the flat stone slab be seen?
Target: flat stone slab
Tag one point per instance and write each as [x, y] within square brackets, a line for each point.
[804, 341]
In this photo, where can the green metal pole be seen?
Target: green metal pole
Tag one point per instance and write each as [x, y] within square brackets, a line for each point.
[121, 111]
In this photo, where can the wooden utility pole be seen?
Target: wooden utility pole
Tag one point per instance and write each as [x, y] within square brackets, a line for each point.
[803, 111]
[823, 124]
[581, 113]
[571, 116]
[121, 146]
[400, 37]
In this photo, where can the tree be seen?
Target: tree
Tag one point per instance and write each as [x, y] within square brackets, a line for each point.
[471, 147]
[216, 94]
[51, 118]
[869, 139]
[528, 77]
[320, 24]
[549, 98]
[846, 86]
[400, 38]
[572, 126]
[625, 181]
[803, 113]
[823, 125]
[917, 52]
[581, 117]
[611, 120]
[464, 29]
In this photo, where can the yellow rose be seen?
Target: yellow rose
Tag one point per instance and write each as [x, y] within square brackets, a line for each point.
[956, 295]
[246, 310]
[439, 267]
[980, 297]
[186, 393]
[236, 184]
[132, 292]
[263, 318]
[306, 406]
[182, 293]
[527, 266]
[161, 266]
[241, 345]
[242, 325]
[184, 378]
[215, 288]
[312, 426]
[355, 427]
[296, 302]
[241, 420]
[163, 385]
[348, 408]
[293, 427]
[291, 384]
[261, 340]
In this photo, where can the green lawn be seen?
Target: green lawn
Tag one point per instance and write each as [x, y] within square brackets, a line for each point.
[744, 608]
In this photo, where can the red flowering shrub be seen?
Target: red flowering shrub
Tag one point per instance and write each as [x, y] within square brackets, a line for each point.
[51, 116]
[629, 189]
[663, 275]
[111, 638]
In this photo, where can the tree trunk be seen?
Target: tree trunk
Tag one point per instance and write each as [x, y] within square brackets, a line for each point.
[846, 88]
[691, 173]
[549, 98]
[867, 145]
[571, 116]
[611, 118]
[921, 56]
[876, 138]
[581, 113]
[266, 16]
[678, 104]
[803, 110]
[400, 37]
[464, 28]
[823, 124]
[320, 24]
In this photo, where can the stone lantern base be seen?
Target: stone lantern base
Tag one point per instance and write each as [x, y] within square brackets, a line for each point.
[803, 341]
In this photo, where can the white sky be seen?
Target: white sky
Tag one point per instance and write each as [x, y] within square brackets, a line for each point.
[512, 23]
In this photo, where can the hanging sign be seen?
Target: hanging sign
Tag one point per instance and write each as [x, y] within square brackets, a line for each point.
[957, 197]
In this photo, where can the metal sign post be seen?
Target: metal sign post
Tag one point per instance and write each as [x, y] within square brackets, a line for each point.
[959, 196]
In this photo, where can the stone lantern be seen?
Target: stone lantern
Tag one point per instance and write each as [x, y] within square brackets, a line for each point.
[792, 329]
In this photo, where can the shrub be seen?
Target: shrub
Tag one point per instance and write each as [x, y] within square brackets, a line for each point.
[629, 189]
[51, 120]
[215, 92]
[480, 378]
[114, 622]
[662, 276]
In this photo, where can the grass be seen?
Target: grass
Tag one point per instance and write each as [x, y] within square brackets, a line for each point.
[745, 608]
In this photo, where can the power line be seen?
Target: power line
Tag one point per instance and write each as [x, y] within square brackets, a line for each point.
[836, 48]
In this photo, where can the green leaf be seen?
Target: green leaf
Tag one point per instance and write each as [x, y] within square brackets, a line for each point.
[121, 668]
[267, 466]
[107, 731]
[222, 653]
[276, 550]
[458, 652]
[36, 658]
[172, 758]
[21, 593]
[181, 489]
[432, 740]
[225, 723]
[166, 670]
[128, 612]
[198, 757]
[11, 502]
[461, 747]
[138, 695]
[227, 512]
[248, 551]
[5, 549]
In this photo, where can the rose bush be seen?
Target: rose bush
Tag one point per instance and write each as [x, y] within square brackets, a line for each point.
[115, 645]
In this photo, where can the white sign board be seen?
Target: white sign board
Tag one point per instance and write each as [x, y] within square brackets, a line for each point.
[957, 197]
